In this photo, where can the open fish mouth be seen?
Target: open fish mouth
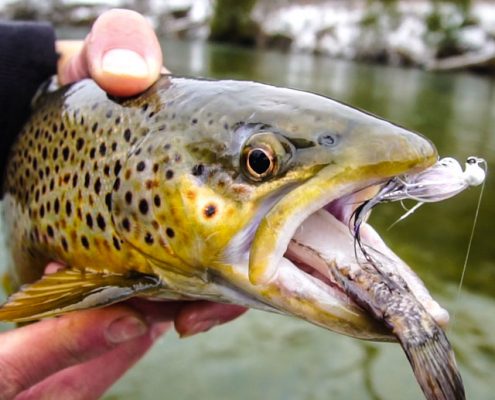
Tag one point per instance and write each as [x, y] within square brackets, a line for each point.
[327, 239]
[298, 255]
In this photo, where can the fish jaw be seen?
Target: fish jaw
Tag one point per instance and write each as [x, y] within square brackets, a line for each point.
[293, 281]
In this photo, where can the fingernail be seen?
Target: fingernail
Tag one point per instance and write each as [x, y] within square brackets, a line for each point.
[125, 329]
[124, 62]
[200, 326]
[158, 329]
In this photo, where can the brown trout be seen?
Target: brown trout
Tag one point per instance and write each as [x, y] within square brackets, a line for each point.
[228, 191]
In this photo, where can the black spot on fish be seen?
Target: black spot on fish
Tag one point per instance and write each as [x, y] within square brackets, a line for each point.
[65, 246]
[116, 184]
[65, 153]
[210, 210]
[49, 231]
[97, 186]
[141, 166]
[109, 114]
[117, 168]
[128, 197]
[55, 154]
[157, 201]
[92, 153]
[89, 220]
[108, 201]
[143, 206]
[148, 238]
[169, 174]
[126, 224]
[127, 134]
[87, 179]
[42, 211]
[106, 170]
[94, 128]
[194, 121]
[68, 208]
[116, 243]
[56, 206]
[103, 149]
[198, 170]
[74, 181]
[79, 144]
[85, 242]
[170, 232]
[101, 222]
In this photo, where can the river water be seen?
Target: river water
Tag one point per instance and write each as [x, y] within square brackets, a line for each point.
[264, 356]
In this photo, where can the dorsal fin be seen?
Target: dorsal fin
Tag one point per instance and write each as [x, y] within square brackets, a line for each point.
[71, 290]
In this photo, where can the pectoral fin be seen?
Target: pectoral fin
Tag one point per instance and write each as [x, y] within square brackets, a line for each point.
[71, 290]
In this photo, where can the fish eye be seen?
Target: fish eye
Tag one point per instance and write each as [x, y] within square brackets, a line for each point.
[260, 162]
[265, 155]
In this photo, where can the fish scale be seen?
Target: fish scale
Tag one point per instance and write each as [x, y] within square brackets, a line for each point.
[64, 186]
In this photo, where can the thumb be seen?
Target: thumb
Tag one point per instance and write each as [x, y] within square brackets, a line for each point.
[121, 53]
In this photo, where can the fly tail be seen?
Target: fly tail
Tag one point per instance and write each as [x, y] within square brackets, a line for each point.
[434, 366]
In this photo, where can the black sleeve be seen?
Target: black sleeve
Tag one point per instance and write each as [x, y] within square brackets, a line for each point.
[27, 59]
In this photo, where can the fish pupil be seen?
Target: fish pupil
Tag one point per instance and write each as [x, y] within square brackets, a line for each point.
[259, 161]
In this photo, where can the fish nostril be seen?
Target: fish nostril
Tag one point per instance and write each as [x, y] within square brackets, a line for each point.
[328, 140]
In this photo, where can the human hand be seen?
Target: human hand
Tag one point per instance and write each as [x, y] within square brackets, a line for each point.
[81, 354]
[121, 53]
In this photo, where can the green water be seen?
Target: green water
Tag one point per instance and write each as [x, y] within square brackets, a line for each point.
[263, 356]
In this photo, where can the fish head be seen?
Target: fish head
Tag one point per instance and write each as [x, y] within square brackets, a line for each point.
[239, 172]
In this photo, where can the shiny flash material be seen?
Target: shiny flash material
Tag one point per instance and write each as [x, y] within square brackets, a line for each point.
[443, 180]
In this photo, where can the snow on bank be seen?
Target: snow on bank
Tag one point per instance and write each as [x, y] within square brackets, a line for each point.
[352, 30]
[344, 29]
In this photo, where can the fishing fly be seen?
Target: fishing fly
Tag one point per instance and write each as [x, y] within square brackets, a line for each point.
[441, 181]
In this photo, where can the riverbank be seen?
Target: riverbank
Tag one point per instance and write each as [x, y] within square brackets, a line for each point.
[430, 35]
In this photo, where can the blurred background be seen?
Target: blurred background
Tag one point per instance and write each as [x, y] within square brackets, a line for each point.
[426, 65]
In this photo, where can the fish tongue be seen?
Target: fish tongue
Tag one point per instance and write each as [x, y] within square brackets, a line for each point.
[380, 289]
